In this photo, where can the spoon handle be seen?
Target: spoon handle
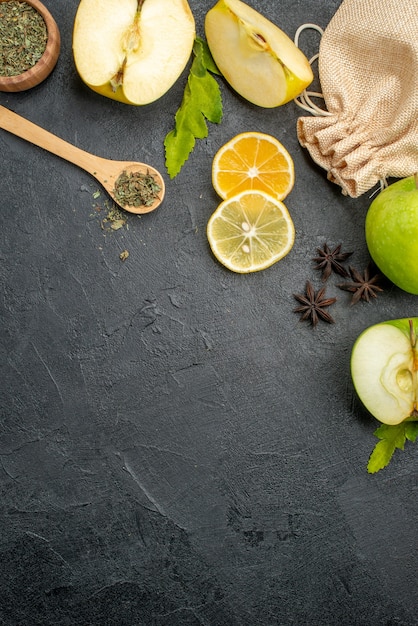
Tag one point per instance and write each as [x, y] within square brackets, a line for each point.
[23, 128]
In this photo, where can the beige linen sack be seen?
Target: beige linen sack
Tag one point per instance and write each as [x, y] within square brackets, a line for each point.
[368, 71]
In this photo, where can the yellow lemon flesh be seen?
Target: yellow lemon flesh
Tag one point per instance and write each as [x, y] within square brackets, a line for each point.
[250, 231]
[251, 161]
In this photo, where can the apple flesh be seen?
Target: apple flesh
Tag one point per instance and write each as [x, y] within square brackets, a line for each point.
[257, 58]
[392, 233]
[384, 369]
[132, 51]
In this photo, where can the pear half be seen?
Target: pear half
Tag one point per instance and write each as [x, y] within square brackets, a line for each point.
[384, 369]
[132, 50]
[255, 56]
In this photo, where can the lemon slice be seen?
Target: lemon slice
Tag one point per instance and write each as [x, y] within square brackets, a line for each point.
[250, 231]
[251, 161]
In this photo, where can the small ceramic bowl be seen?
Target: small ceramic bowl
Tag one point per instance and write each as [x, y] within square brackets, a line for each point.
[46, 63]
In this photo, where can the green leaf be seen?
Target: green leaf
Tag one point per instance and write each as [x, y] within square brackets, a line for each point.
[201, 50]
[201, 101]
[411, 430]
[391, 437]
[206, 95]
[175, 146]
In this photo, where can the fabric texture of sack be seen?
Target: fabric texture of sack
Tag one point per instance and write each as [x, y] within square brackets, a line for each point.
[368, 71]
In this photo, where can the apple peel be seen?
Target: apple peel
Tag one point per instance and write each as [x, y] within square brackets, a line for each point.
[391, 231]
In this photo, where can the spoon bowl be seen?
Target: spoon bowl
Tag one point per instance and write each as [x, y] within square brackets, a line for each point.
[105, 171]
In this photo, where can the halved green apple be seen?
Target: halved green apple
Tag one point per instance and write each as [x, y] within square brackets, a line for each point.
[132, 50]
[384, 369]
[255, 56]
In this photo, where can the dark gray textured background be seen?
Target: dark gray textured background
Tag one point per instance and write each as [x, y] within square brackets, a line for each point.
[176, 447]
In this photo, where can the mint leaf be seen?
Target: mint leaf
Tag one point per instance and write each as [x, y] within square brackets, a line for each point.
[391, 437]
[206, 57]
[201, 101]
[411, 430]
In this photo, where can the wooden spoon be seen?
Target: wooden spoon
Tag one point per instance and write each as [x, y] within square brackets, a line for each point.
[106, 171]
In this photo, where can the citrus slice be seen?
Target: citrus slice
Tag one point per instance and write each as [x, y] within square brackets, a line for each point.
[250, 232]
[253, 160]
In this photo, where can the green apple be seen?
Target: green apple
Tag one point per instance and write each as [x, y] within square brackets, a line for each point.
[392, 233]
[384, 369]
[132, 51]
[255, 56]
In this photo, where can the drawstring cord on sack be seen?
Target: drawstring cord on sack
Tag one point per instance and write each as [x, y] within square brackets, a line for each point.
[304, 100]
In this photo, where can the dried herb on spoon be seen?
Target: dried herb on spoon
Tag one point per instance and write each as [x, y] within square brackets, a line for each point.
[136, 189]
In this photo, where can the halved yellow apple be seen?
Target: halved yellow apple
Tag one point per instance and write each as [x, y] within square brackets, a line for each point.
[132, 50]
[255, 56]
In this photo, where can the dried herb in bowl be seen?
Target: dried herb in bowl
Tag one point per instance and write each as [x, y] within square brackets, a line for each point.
[29, 44]
[23, 37]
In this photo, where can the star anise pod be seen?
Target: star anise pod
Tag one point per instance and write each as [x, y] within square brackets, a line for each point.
[330, 260]
[313, 304]
[363, 286]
